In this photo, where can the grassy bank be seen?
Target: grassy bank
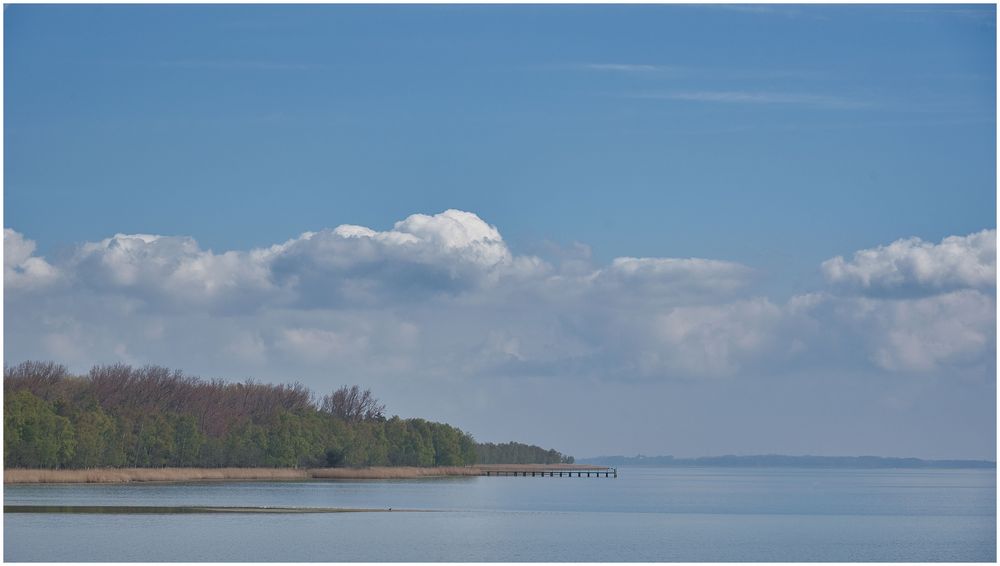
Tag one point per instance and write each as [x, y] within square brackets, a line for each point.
[128, 475]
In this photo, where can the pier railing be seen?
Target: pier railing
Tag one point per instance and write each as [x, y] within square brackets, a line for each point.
[561, 471]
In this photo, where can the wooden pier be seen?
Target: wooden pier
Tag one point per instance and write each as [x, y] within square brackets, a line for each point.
[550, 471]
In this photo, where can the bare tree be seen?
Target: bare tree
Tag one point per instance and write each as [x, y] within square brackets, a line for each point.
[46, 380]
[353, 405]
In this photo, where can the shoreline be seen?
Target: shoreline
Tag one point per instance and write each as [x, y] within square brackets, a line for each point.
[139, 475]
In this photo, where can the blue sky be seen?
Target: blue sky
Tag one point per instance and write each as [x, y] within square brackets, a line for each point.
[773, 138]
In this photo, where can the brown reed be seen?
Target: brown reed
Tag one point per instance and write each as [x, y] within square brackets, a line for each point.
[127, 475]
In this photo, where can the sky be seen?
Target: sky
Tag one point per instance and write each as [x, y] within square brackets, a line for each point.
[687, 230]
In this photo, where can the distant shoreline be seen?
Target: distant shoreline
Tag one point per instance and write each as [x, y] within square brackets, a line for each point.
[138, 475]
[782, 461]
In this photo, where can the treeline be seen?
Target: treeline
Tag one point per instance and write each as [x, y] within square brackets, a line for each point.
[517, 453]
[121, 416]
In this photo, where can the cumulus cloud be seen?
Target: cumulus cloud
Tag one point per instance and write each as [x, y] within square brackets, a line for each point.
[22, 270]
[450, 254]
[913, 265]
[422, 256]
[173, 272]
[443, 295]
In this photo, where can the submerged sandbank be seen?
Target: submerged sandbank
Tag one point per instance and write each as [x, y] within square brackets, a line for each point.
[188, 509]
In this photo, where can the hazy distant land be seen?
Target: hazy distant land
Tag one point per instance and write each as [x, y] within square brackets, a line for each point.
[782, 461]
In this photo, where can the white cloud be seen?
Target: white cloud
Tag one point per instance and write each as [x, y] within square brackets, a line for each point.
[443, 295]
[174, 272]
[21, 269]
[421, 257]
[915, 265]
[458, 231]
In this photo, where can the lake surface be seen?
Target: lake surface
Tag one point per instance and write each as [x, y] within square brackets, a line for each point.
[646, 514]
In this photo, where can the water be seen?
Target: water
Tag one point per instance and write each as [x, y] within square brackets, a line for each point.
[647, 514]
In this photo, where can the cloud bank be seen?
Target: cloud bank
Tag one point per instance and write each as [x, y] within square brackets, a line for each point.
[443, 297]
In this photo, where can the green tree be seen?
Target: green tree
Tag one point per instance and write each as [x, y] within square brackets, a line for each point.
[246, 446]
[188, 441]
[95, 439]
[154, 442]
[34, 435]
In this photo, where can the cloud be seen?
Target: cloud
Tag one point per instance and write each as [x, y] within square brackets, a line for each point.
[717, 340]
[674, 276]
[173, 273]
[947, 334]
[22, 270]
[423, 256]
[443, 297]
[932, 333]
[913, 265]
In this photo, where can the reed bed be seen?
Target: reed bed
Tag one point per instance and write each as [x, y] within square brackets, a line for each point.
[128, 475]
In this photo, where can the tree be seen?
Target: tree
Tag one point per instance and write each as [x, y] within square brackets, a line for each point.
[34, 435]
[353, 405]
[187, 441]
[95, 435]
[152, 416]
[154, 442]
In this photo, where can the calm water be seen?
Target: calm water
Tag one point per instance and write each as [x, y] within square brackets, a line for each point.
[647, 514]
